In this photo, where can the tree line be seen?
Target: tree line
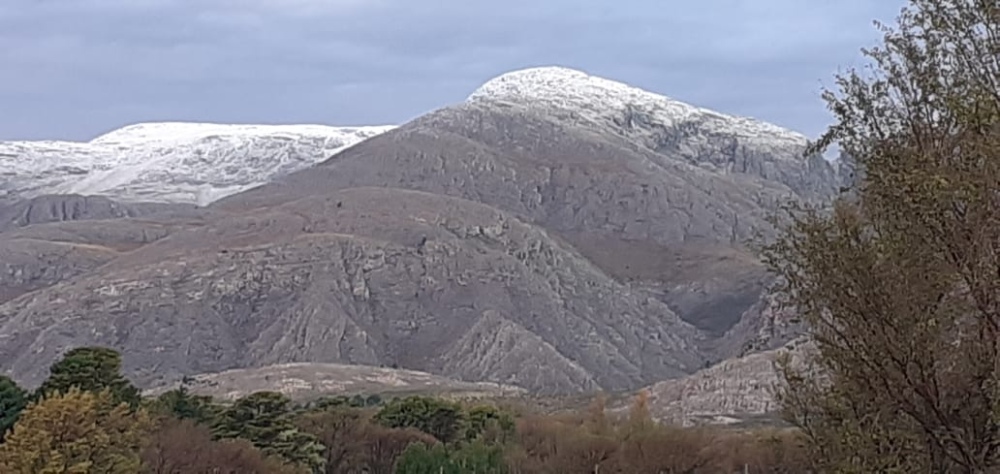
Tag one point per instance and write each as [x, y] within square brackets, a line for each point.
[88, 418]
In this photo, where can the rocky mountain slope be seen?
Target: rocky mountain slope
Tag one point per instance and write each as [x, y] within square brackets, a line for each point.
[556, 231]
[169, 162]
[733, 391]
[549, 146]
[64, 208]
[369, 276]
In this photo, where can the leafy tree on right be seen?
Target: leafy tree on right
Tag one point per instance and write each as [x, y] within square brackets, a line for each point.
[900, 281]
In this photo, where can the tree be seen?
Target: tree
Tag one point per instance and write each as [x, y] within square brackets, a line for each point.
[898, 282]
[488, 423]
[439, 418]
[419, 458]
[478, 457]
[470, 458]
[91, 369]
[381, 446]
[181, 404]
[12, 401]
[264, 419]
[339, 430]
[75, 432]
[549, 444]
[181, 446]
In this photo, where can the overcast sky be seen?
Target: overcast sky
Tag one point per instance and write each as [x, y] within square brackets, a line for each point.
[72, 69]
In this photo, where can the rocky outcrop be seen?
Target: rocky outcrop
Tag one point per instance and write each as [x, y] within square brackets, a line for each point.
[729, 392]
[60, 208]
[51, 239]
[764, 326]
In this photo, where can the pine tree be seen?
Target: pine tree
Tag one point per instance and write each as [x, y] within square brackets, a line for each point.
[13, 399]
[265, 419]
[91, 369]
[181, 404]
[439, 418]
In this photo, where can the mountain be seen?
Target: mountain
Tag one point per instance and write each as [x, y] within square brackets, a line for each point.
[566, 151]
[556, 231]
[169, 162]
[705, 138]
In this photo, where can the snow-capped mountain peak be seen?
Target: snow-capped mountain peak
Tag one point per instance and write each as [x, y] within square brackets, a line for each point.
[670, 128]
[170, 161]
[605, 101]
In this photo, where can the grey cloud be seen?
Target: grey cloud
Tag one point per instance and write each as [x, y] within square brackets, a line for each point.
[75, 68]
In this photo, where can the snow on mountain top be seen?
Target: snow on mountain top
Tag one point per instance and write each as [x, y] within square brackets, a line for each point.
[171, 162]
[146, 133]
[601, 100]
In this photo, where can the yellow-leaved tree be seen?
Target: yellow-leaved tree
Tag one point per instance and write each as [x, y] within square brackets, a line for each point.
[900, 282]
[75, 432]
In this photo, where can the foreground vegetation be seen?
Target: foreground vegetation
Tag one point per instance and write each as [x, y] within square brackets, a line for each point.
[87, 418]
[900, 283]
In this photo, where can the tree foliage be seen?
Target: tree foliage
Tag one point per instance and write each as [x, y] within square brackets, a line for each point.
[182, 446]
[899, 282]
[181, 404]
[439, 418]
[339, 429]
[381, 447]
[470, 458]
[265, 419]
[488, 423]
[75, 432]
[91, 369]
[13, 399]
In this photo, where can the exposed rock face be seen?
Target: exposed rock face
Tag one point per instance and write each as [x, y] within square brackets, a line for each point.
[309, 381]
[59, 208]
[50, 239]
[558, 232]
[367, 276]
[764, 326]
[730, 391]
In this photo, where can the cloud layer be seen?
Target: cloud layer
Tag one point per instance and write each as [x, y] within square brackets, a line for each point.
[73, 69]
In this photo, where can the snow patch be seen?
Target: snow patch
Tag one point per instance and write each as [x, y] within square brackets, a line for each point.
[171, 162]
[618, 106]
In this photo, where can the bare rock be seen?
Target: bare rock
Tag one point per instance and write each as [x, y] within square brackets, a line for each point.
[309, 381]
[733, 390]
[72, 207]
[364, 276]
